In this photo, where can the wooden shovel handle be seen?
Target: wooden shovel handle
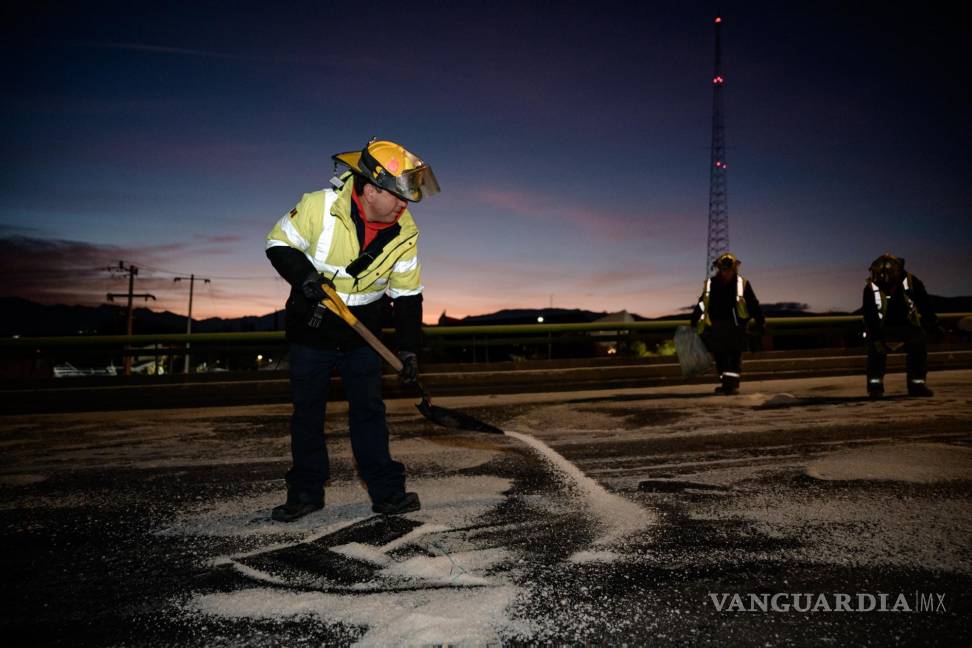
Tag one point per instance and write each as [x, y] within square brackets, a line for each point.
[336, 305]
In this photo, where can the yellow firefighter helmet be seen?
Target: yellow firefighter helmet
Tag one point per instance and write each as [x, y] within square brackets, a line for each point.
[392, 167]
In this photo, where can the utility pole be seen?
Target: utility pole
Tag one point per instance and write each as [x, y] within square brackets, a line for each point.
[132, 271]
[718, 192]
[192, 283]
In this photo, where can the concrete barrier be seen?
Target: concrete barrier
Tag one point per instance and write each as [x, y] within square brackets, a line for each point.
[120, 393]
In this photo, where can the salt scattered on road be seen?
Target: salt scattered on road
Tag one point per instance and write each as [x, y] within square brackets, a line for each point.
[917, 462]
[618, 517]
[362, 552]
[582, 557]
[439, 596]
[472, 617]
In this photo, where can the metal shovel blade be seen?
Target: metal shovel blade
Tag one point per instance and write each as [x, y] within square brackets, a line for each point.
[453, 419]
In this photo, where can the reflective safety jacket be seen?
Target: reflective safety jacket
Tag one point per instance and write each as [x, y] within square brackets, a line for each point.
[907, 306]
[324, 232]
[739, 306]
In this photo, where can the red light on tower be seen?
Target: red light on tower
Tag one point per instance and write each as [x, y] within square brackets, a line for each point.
[718, 19]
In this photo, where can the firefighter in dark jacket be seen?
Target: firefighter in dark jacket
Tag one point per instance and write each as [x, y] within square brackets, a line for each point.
[360, 238]
[727, 312]
[896, 311]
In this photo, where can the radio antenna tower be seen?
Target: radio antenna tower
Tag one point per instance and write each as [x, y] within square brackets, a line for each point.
[718, 195]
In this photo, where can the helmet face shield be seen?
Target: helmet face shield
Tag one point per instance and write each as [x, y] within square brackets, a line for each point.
[887, 269]
[726, 262]
[392, 167]
[415, 184]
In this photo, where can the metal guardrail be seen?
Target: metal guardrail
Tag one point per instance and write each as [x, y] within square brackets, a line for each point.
[78, 341]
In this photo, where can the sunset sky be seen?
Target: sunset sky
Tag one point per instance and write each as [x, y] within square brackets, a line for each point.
[570, 139]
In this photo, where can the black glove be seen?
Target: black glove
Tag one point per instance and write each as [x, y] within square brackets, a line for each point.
[311, 286]
[409, 372]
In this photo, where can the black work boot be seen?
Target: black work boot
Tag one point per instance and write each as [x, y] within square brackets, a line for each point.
[730, 385]
[875, 388]
[298, 505]
[919, 389]
[397, 504]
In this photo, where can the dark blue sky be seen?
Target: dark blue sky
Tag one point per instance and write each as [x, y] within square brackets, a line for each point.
[571, 141]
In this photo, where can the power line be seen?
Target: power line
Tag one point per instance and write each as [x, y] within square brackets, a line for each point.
[221, 278]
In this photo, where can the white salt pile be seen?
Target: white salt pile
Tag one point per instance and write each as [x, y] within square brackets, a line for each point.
[779, 400]
[617, 516]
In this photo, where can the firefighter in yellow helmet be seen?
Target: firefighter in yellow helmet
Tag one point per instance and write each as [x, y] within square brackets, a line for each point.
[896, 310]
[727, 311]
[361, 238]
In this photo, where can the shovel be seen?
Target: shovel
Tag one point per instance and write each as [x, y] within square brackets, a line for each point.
[438, 415]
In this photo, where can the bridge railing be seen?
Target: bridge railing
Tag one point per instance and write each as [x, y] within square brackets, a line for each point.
[164, 353]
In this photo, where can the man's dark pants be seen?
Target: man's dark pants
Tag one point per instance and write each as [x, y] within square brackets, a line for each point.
[916, 346]
[726, 342]
[310, 376]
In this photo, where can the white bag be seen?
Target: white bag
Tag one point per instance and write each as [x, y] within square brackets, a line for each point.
[692, 354]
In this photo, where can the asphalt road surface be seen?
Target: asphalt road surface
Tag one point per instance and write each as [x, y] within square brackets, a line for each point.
[796, 513]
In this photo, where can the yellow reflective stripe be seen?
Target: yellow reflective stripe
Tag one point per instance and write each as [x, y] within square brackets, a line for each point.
[406, 266]
[360, 299]
[329, 269]
[706, 288]
[704, 319]
[295, 238]
[323, 247]
[741, 308]
[877, 298]
[395, 293]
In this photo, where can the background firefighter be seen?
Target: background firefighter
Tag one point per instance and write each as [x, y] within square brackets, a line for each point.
[360, 238]
[896, 311]
[726, 313]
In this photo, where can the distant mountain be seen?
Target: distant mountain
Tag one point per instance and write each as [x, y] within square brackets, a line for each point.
[946, 304]
[530, 315]
[770, 309]
[793, 309]
[951, 304]
[570, 316]
[30, 319]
